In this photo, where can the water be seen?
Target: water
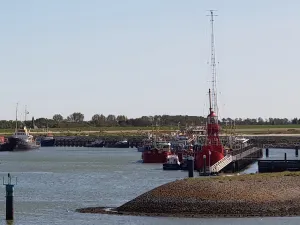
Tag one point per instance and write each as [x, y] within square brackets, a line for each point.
[53, 182]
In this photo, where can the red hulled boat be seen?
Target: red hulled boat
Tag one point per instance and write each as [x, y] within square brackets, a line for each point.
[157, 154]
[212, 150]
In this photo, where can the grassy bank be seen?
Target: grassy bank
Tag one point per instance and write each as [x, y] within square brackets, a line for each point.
[244, 129]
[261, 195]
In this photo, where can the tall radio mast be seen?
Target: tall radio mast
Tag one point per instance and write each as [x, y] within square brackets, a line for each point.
[213, 66]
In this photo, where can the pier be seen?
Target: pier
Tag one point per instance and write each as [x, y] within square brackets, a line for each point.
[279, 165]
[266, 166]
[235, 161]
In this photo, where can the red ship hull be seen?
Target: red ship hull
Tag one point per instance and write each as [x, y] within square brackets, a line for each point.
[155, 156]
[216, 154]
[183, 153]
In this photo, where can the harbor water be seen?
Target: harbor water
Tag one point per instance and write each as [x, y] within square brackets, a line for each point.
[54, 181]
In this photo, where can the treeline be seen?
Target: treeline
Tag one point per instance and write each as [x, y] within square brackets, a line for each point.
[76, 119]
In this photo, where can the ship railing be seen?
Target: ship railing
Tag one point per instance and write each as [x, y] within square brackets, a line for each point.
[218, 166]
[282, 145]
[245, 153]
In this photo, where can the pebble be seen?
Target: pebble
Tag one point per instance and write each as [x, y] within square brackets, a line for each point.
[244, 195]
[260, 195]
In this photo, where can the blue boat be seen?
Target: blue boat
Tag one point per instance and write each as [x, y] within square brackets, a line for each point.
[47, 141]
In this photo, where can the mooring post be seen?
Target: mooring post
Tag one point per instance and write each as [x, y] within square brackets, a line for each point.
[296, 150]
[285, 156]
[190, 162]
[267, 152]
[285, 164]
[9, 186]
[204, 164]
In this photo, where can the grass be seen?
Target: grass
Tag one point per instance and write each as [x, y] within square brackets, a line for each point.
[245, 129]
[288, 126]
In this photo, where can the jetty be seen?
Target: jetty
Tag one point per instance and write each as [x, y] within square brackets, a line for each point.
[223, 196]
[234, 162]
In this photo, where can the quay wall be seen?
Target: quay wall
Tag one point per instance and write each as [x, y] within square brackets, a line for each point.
[277, 141]
[82, 141]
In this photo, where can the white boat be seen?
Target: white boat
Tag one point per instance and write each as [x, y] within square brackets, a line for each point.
[172, 163]
[24, 140]
[238, 142]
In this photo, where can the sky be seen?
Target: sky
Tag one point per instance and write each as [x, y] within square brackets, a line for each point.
[150, 57]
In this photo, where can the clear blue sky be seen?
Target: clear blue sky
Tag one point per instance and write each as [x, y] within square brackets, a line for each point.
[138, 57]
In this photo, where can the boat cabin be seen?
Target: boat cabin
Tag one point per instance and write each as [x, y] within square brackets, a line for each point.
[172, 159]
[23, 134]
[163, 145]
[238, 143]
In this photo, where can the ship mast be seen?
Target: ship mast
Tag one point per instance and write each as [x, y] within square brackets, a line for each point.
[17, 117]
[25, 117]
[210, 108]
[213, 67]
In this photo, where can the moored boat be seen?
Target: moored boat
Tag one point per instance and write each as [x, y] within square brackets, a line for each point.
[48, 140]
[172, 163]
[96, 144]
[213, 150]
[147, 145]
[157, 154]
[121, 144]
[24, 140]
[9, 145]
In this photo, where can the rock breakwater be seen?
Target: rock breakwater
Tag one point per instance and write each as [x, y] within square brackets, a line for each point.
[275, 194]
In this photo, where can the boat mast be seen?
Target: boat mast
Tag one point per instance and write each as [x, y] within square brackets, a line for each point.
[17, 117]
[25, 117]
[213, 66]
[210, 108]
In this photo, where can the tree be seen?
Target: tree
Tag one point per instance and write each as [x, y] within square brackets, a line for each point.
[41, 122]
[58, 118]
[121, 120]
[260, 121]
[98, 120]
[111, 120]
[76, 117]
[295, 121]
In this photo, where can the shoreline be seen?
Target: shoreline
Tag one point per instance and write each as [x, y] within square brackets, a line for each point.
[103, 210]
[251, 195]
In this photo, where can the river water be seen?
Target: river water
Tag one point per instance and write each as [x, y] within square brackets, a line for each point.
[54, 181]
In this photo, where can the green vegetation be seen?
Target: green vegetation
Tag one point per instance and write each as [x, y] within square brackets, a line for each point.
[282, 126]
[131, 130]
[101, 124]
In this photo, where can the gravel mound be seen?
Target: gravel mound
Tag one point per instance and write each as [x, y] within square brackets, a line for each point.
[275, 194]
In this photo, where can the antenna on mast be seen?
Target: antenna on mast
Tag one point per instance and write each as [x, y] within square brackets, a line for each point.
[25, 113]
[210, 109]
[17, 116]
[213, 65]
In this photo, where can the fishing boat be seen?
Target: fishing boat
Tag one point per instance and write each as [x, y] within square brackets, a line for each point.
[24, 140]
[9, 145]
[172, 163]
[121, 144]
[158, 153]
[48, 140]
[147, 145]
[96, 144]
